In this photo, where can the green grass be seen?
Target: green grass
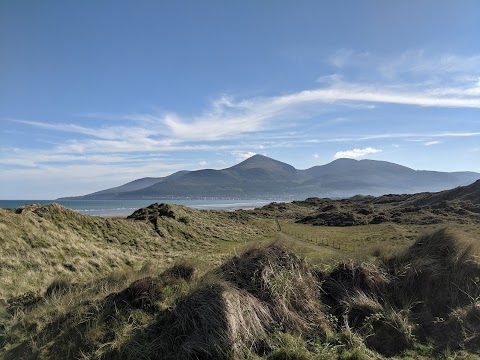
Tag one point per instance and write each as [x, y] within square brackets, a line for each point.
[373, 243]
[229, 313]
[44, 243]
[61, 273]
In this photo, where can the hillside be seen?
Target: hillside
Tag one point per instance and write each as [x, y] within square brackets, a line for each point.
[42, 243]
[460, 205]
[382, 177]
[460, 194]
[262, 177]
[135, 185]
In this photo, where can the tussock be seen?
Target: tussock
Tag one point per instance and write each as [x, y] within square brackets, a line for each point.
[358, 307]
[214, 321]
[153, 211]
[283, 281]
[383, 328]
[439, 272]
[140, 294]
[181, 270]
[58, 287]
[23, 302]
[143, 293]
[436, 278]
[351, 280]
[389, 332]
[462, 329]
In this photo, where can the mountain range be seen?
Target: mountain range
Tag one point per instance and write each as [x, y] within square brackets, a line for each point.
[262, 177]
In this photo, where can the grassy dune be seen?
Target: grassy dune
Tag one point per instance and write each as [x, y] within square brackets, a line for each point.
[42, 243]
[176, 283]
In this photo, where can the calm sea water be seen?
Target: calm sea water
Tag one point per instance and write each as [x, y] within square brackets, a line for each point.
[113, 207]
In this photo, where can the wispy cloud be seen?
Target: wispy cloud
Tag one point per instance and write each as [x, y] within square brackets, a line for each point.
[356, 153]
[138, 117]
[106, 132]
[229, 118]
[366, 93]
[411, 136]
[411, 79]
[433, 142]
[421, 63]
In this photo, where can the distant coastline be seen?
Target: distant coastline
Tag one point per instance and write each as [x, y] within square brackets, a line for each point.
[123, 208]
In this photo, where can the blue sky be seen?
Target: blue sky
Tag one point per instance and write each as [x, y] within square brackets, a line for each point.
[97, 93]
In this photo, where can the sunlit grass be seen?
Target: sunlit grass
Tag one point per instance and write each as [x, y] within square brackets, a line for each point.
[66, 267]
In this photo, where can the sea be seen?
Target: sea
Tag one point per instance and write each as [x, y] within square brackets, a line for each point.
[124, 207]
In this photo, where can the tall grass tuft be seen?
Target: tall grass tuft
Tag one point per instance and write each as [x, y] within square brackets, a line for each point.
[213, 321]
[438, 273]
[282, 280]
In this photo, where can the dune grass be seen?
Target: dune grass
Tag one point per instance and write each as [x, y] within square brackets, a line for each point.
[265, 303]
[177, 283]
[41, 243]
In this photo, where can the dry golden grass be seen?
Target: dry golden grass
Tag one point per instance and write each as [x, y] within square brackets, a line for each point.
[47, 242]
[93, 288]
[266, 303]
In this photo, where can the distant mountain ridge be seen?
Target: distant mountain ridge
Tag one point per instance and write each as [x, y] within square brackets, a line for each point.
[262, 177]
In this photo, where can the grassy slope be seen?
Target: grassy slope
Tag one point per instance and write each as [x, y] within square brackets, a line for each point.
[47, 242]
[92, 258]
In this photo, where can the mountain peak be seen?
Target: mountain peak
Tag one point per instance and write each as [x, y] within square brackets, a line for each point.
[344, 160]
[261, 161]
[257, 157]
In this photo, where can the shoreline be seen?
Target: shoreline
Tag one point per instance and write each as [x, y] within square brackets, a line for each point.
[121, 209]
[125, 215]
[113, 216]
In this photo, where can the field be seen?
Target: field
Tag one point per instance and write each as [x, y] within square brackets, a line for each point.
[325, 246]
[173, 282]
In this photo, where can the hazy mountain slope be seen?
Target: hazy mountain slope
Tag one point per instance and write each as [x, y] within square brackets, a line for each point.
[134, 185]
[131, 186]
[196, 183]
[260, 176]
[379, 177]
[364, 167]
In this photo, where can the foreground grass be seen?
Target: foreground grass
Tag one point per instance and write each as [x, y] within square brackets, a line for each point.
[265, 303]
[322, 292]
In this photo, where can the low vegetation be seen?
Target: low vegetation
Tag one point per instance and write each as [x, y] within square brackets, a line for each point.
[407, 209]
[267, 287]
[43, 243]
